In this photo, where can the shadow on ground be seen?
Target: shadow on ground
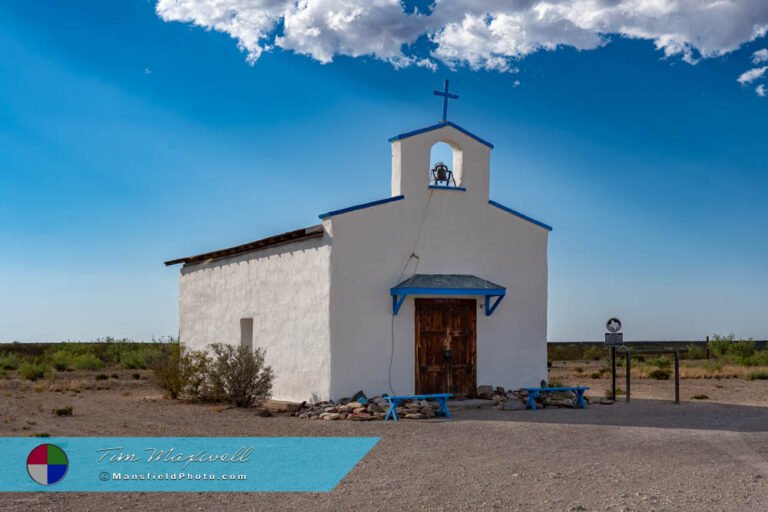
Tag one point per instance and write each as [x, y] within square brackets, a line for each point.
[638, 413]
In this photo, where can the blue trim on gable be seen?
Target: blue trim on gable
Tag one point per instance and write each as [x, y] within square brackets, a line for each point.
[443, 187]
[521, 215]
[360, 206]
[437, 127]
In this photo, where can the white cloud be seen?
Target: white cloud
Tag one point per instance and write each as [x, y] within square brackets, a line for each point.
[753, 74]
[480, 34]
[760, 56]
[760, 90]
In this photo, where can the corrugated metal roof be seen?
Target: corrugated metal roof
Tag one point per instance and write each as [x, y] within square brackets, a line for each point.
[290, 236]
[448, 281]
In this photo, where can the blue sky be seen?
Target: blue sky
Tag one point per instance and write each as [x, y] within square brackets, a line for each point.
[126, 140]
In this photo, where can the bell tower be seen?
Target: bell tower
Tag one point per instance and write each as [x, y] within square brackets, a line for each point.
[468, 172]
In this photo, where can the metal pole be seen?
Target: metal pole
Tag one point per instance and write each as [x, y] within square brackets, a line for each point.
[677, 376]
[629, 368]
[613, 373]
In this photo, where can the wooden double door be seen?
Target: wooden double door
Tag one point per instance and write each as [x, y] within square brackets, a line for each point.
[446, 346]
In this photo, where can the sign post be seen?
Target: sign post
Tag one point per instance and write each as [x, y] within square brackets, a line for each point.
[613, 338]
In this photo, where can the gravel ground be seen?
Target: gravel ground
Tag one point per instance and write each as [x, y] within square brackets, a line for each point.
[648, 455]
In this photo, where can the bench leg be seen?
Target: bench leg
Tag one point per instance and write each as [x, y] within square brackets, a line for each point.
[392, 413]
[580, 399]
[532, 400]
[443, 410]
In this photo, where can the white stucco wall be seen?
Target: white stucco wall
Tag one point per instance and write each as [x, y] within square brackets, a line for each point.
[461, 234]
[285, 289]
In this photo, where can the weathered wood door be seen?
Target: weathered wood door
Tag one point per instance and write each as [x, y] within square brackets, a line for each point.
[446, 346]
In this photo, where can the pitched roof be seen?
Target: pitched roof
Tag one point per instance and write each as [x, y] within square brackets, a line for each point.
[290, 236]
[447, 282]
[437, 126]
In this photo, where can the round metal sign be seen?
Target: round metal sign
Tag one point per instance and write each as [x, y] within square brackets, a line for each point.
[613, 325]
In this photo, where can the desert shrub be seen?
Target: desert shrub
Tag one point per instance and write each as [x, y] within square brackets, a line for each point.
[63, 411]
[101, 376]
[700, 397]
[62, 360]
[594, 353]
[239, 374]
[619, 391]
[136, 376]
[32, 371]
[759, 358]
[10, 361]
[554, 383]
[42, 434]
[719, 345]
[661, 361]
[595, 375]
[729, 349]
[198, 383]
[87, 361]
[712, 366]
[169, 371]
[660, 374]
[696, 351]
[579, 369]
[114, 376]
[133, 361]
[569, 352]
[757, 375]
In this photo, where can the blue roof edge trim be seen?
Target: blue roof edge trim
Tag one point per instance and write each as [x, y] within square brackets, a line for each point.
[443, 187]
[447, 291]
[360, 206]
[438, 126]
[518, 214]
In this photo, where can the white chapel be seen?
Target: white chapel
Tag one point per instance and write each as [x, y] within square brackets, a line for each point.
[436, 288]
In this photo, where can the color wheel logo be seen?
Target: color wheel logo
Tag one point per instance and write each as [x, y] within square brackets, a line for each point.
[47, 464]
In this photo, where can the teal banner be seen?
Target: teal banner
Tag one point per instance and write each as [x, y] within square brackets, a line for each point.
[179, 464]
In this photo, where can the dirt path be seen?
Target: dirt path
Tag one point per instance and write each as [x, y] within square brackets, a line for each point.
[649, 455]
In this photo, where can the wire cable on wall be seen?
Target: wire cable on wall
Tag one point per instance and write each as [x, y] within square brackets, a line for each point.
[413, 256]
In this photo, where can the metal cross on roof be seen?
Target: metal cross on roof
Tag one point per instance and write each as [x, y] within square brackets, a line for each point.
[446, 96]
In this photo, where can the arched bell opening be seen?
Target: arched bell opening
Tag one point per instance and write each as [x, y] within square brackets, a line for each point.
[445, 165]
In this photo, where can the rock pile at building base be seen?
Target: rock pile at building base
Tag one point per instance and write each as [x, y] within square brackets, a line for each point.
[361, 408]
[517, 400]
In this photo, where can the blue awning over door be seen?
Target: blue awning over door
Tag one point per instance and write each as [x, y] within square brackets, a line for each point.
[448, 284]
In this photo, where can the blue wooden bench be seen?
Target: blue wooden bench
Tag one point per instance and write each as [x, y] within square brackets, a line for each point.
[394, 401]
[534, 393]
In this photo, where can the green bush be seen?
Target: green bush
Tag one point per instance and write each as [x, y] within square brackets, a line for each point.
[759, 358]
[728, 349]
[239, 374]
[62, 360]
[63, 411]
[32, 371]
[101, 376]
[757, 375]
[661, 361]
[87, 362]
[170, 372]
[10, 361]
[712, 366]
[696, 351]
[594, 353]
[660, 374]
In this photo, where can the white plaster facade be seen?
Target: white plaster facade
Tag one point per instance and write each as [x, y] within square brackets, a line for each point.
[322, 307]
